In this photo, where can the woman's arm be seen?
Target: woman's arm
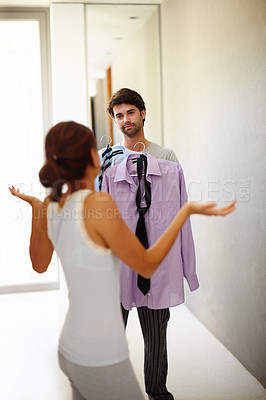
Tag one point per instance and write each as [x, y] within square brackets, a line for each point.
[41, 248]
[112, 231]
[124, 243]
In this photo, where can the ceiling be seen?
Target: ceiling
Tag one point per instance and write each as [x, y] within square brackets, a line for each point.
[109, 30]
[110, 26]
[46, 3]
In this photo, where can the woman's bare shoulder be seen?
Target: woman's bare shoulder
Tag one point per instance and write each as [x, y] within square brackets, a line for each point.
[99, 199]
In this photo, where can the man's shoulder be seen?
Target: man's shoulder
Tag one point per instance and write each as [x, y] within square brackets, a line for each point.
[162, 152]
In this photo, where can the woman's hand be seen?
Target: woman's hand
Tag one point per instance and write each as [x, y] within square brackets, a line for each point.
[210, 208]
[29, 199]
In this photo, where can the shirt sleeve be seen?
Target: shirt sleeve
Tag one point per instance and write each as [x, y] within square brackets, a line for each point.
[96, 181]
[105, 183]
[187, 242]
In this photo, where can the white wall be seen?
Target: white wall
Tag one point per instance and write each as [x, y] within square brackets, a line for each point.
[100, 115]
[69, 74]
[138, 68]
[214, 90]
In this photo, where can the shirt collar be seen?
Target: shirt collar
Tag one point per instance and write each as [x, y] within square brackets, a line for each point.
[122, 173]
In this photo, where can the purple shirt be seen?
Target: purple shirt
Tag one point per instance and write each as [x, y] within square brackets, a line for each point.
[168, 194]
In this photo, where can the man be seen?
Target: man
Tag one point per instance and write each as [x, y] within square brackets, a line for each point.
[127, 109]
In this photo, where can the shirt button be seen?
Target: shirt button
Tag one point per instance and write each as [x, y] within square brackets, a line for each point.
[149, 293]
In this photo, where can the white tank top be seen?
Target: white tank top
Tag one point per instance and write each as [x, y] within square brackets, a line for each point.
[93, 333]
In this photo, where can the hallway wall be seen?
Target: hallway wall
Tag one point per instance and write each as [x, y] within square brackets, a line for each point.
[138, 68]
[70, 96]
[214, 92]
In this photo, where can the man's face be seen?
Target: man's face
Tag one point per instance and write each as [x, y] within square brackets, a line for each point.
[128, 118]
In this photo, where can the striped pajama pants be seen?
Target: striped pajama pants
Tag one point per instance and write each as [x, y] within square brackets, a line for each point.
[153, 325]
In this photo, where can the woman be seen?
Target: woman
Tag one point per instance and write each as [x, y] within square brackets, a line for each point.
[89, 236]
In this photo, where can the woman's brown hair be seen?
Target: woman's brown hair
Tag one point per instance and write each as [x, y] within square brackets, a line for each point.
[68, 152]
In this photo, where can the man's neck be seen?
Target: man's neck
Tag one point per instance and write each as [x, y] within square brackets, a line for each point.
[135, 143]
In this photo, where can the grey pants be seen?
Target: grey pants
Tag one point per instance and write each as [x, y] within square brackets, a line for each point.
[113, 382]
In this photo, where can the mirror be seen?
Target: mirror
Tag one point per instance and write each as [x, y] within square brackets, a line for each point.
[123, 48]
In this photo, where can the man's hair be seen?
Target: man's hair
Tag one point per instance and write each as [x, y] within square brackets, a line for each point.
[126, 96]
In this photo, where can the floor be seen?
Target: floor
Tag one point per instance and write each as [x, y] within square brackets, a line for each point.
[200, 367]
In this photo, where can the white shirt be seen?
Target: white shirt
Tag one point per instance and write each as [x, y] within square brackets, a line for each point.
[93, 333]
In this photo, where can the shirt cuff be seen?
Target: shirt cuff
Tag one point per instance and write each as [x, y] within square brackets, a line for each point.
[193, 282]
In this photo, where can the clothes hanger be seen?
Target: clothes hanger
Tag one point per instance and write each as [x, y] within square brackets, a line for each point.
[144, 147]
[109, 137]
[134, 160]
